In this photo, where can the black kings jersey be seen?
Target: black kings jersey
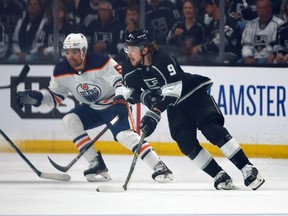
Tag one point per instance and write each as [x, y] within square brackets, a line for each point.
[164, 77]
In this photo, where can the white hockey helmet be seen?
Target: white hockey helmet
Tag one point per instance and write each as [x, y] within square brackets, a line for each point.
[76, 41]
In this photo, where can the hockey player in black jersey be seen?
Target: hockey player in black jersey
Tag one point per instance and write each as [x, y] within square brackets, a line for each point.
[157, 80]
[95, 81]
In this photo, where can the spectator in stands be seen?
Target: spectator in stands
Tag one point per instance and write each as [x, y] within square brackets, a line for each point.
[208, 52]
[132, 22]
[104, 33]
[10, 12]
[282, 10]
[70, 5]
[28, 36]
[186, 33]
[281, 47]
[87, 12]
[120, 7]
[259, 35]
[243, 11]
[65, 27]
[162, 15]
[4, 42]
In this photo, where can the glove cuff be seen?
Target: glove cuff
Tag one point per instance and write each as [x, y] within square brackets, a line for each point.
[119, 99]
[143, 95]
[154, 115]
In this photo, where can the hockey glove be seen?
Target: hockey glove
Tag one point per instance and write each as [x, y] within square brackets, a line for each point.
[149, 122]
[120, 106]
[29, 97]
[134, 98]
[149, 98]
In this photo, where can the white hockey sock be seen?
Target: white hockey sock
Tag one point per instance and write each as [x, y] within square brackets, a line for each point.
[130, 140]
[80, 143]
[90, 154]
[148, 155]
[203, 159]
[230, 148]
[75, 130]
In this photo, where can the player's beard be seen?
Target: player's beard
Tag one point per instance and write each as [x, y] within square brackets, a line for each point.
[75, 63]
[134, 62]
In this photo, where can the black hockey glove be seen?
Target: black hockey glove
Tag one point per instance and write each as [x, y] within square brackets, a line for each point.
[149, 122]
[29, 97]
[134, 98]
[149, 98]
[120, 106]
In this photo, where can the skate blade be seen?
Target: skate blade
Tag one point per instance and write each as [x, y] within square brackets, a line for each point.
[164, 178]
[257, 183]
[102, 177]
[224, 186]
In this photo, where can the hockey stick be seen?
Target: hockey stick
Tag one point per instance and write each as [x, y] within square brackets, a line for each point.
[20, 78]
[82, 152]
[123, 188]
[54, 176]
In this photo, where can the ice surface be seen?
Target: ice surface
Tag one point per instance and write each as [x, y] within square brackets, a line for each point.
[22, 192]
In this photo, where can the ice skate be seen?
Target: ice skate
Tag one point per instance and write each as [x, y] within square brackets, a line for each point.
[97, 170]
[223, 181]
[162, 174]
[251, 176]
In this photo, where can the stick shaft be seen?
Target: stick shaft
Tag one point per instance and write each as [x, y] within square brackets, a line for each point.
[20, 153]
[83, 151]
[54, 176]
[123, 188]
[20, 78]
[134, 161]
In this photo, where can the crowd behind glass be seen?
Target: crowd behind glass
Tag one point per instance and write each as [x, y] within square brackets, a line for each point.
[255, 31]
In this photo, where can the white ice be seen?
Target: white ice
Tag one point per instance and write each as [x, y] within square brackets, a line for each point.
[22, 192]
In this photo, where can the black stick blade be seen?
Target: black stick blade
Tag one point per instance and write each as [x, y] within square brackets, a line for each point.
[58, 167]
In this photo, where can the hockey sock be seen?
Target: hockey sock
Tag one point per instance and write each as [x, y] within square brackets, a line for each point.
[74, 128]
[233, 151]
[80, 142]
[148, 155]
[130, 140]
[206, 162]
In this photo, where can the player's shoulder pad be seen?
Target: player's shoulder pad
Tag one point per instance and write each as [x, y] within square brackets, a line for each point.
[96, 60]
[163, 58]
[63, 68]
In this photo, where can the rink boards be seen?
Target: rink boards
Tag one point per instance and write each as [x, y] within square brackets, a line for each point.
[253, 101]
